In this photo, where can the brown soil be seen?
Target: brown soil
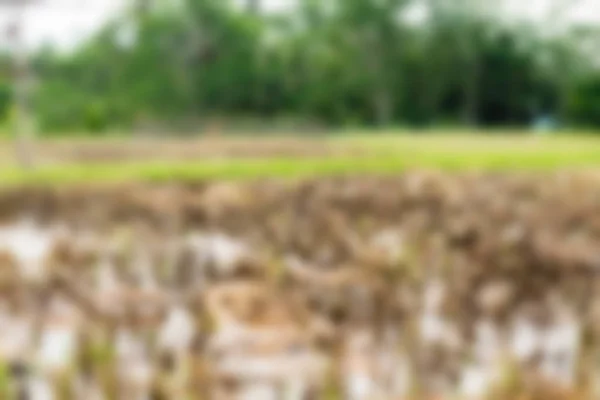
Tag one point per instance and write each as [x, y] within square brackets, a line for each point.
[140, 149]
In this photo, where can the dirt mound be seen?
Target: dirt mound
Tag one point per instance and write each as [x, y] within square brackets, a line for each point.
[148, 149]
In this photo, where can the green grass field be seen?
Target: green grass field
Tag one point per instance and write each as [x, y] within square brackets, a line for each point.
[381, 153]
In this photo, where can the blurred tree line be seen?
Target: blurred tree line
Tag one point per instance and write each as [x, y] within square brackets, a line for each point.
[338, 62]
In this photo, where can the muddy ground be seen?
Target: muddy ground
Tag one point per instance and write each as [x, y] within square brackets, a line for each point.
[426, 285]
[83, 151]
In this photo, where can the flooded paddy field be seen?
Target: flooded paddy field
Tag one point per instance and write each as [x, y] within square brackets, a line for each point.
[418, 286]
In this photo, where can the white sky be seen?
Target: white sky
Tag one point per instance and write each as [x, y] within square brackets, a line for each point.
[62, 22]
[65, 22]
[587, 11]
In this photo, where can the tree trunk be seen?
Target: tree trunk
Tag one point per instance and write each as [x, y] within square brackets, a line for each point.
[254, 6]
[22, 124]
[383, 106]
[142, 8]
[471, 76]
[381, 91]
[470, 109]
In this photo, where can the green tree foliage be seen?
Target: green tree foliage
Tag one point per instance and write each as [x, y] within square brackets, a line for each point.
[5, 88]
[339, 62]
[584, 103]
[5, 100]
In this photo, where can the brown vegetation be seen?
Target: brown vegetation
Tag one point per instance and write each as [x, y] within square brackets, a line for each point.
[422, 286]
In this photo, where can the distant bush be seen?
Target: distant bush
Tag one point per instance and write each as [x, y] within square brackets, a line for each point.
[584, 104]
[5, 100]
[96, 118]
